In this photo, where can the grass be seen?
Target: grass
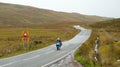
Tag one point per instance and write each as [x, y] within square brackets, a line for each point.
[108, 50]
[85, 54]
[84, 61]
[40, 36]
[11, 14]
[109, 45]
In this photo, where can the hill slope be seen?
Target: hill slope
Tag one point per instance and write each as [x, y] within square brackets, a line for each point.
[108, 45]
[110, 24]
[11, 14]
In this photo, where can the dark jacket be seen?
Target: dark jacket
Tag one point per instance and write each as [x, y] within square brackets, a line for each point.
[60, 42]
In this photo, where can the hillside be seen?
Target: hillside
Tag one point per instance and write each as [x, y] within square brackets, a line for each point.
[114, 23]
[108, 55]
[11, 14]
[111, 27]
[109, 44]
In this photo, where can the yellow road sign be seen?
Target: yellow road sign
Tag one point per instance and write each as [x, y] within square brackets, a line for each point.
[25, 36]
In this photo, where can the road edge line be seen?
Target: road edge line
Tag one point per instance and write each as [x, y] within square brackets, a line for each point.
[72, 52]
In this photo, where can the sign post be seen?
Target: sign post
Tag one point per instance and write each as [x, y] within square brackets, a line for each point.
[25, 39]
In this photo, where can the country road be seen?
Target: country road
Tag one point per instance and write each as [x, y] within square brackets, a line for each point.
[47, 55]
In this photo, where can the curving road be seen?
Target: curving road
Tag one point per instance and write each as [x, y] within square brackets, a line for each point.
[44, 57]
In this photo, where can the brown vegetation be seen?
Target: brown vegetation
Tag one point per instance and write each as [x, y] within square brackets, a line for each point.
[41, 35]
[109, 45]
[11, 14]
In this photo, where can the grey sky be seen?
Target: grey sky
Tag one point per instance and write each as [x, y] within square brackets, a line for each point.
[108, 8]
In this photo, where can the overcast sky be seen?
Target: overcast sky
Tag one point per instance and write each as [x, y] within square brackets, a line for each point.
[108, 8]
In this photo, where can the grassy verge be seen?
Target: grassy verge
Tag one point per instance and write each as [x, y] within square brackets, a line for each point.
[40, 36]
[85, 54]
[109, 46]
[108, 55]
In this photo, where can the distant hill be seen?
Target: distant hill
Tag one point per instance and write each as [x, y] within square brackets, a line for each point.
[113, 24]
[11, 14]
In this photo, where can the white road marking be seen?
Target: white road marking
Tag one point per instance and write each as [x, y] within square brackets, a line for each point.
[26, 59]
[6, 64]
[46, 51]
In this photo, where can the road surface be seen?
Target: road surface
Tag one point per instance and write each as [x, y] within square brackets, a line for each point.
[45, 56]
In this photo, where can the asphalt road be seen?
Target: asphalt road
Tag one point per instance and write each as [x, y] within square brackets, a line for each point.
[45, 56]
